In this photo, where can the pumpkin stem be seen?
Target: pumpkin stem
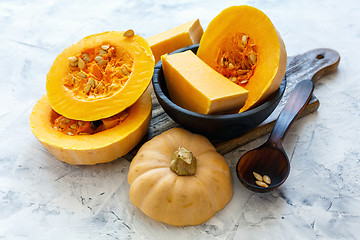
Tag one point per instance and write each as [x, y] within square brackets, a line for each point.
[183, 162]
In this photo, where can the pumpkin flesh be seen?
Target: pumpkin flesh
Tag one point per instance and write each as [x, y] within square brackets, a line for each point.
[223, 38]
[181, 36]
[100, 76]
[89, 149]
[195, 86]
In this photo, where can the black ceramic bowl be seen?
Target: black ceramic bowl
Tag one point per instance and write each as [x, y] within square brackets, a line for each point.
[219, 127]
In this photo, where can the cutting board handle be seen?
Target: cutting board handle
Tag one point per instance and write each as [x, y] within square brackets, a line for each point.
[313, 64]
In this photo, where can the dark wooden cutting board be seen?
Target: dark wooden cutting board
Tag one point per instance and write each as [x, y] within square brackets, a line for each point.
[311, 65]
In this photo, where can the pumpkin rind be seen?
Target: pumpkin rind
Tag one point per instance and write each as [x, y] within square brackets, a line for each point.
[179, 200]
[101, 147]
[67, 104]
[271, 52]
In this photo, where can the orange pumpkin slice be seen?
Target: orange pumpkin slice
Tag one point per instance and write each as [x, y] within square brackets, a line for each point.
[100, 76]
[81, 145]
[242, 44]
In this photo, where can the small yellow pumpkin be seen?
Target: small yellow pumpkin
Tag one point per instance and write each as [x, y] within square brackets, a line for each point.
[178, 178]
[243, 45]
[100, 76]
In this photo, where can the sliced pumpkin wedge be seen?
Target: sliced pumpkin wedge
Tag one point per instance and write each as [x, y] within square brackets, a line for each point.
[100, 76]
[82, 143]
[243, 45]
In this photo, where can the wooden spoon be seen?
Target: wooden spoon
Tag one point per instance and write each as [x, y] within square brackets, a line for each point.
[270, 158]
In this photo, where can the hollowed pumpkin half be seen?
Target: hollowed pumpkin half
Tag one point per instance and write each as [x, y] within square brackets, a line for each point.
[242, 44]
[100, 147]
[100, 76]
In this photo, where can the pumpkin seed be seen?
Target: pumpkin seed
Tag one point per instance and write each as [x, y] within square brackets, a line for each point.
[243, 81]
[73, 126]
[261, 184]
[102, 52]
[74, 64]
[124, 71]
[253, 58]
[86, 57]
[91, 82]
[87, 89]
[81, 63]
[231, 66]
[65, 120]
[72, 59]
[257, 176]
[244, 39]
[70, 133]
[98, 58]
[266, 179]
[105, 47]
[82, 75]
[233, 79]
[129, 33]
[81, 123]
[103, 62]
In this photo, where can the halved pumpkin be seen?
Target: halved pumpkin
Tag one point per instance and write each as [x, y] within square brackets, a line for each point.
[88, 149]
[100, 76]
[242, 44]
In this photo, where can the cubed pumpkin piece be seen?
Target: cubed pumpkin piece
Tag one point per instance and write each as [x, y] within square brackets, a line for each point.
[182, 36]
[195, 86]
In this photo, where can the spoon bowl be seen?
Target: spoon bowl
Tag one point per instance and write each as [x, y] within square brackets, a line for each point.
[270, 159]
[257, 161]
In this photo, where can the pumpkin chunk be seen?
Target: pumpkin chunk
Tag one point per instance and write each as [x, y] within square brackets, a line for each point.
[195, 86]
[182, 36]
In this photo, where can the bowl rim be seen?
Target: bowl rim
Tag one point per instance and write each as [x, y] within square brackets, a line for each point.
[161, 94]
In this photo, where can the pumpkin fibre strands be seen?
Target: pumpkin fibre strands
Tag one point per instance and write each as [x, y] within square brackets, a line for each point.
[237, 58]
[98, 72]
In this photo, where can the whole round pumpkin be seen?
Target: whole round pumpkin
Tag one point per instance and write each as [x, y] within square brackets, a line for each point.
[185, 192]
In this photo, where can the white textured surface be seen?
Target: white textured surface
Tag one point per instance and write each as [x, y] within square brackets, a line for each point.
[42, 198]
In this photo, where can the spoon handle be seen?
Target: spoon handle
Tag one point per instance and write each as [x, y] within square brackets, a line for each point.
[295, 104]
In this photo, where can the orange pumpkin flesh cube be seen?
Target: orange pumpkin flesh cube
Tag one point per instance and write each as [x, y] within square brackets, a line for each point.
[195, 86]
[181, 36]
